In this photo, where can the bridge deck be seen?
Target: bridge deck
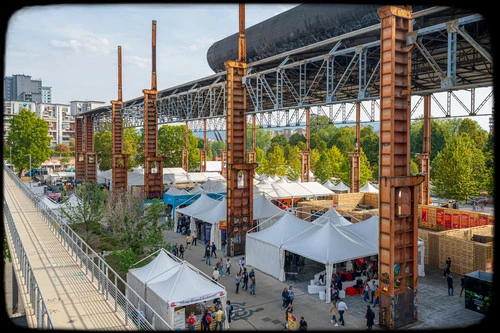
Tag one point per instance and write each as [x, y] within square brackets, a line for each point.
[73, 301]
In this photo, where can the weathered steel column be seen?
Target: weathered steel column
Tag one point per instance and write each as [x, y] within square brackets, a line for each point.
[252, 158]
[224, 163]
[398, 192]
[424, 159]
[153, 164]
[203, 152]
[185, 154]
[79, 151]
[120, 160]
[239, 173]
[355, 164]
[90, 154]
[305, 166]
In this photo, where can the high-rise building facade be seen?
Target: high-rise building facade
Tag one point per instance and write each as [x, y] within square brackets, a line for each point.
[20, 87]
[61, 122]
[47, 95]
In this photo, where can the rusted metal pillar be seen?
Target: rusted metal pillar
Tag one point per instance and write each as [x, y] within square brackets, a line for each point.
[90, 154]
[424, 159]
[305, 166]
[185, 154]
[398, 192]
[355, 164]
[239, 173]
[120, 160]
[153, 164]
[79, 151]
[203, 152]
[252, 158]
[224, 163]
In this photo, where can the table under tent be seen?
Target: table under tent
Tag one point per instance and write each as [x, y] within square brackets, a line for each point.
[174, 288]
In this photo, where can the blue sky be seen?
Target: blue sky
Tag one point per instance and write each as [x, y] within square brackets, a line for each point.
[73, 48]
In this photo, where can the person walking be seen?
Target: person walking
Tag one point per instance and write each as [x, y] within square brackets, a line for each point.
[213, 250]
[290, 295]
[366, 292]
[342, 309]
[181, 251]
[376, 296]
[449, 279]
[228, 266]
[220, 267]
[245, 280]
[188, 241]
[289, 310]
[241, 263]
[237, 280]
[194, 236]
[207, 254]
[229, 310]
[252, 282]
[206, 320]
[335, 313]
[372, 287]
[302, 324]
[215, 274]
[447, 267]
[462, 284]
[284, 298]
[370, 318]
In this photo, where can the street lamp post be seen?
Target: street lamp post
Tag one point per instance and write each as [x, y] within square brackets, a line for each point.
[30, 167]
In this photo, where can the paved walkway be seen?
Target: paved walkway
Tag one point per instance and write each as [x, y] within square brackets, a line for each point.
[263, 311]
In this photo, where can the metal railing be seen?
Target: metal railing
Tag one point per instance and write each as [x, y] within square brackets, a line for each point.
[112, 287]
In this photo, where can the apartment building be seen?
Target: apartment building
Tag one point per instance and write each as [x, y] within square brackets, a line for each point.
[61, 122]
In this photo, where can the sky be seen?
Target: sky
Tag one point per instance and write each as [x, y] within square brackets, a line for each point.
[73, 48]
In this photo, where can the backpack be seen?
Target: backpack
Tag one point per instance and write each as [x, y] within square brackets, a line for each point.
[208, 318]
[223, 317]
[191, 321]
[230, 308]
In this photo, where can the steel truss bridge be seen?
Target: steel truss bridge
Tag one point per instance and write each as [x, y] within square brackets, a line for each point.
[450, 52]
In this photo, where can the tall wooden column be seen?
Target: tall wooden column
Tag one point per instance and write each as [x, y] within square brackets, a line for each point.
[398, 191]
[424, 159]
[203, 152]
[355, 162]
[90, 154]
[252, 158]
[185, 153]
[120, 160]
[239, 173]
[79, 150]
[305, 166]
[153, 164]
[224, 163]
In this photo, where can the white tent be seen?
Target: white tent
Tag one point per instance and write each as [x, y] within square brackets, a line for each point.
[332, 216]
[341, 187]
[264, 209]
[266, 243]
[216, 213]
[328, 184]
[203, 204]
[369, 188]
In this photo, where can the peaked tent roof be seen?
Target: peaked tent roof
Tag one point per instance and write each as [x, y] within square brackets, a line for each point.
[369, 188]
[263, 208]
[51, 204]
[341, 187]
[217, 212]
[330, 244]
[286, 227]
[333, 217]
[187, 285]
[202, 204]
[156, 269]
[328, 184]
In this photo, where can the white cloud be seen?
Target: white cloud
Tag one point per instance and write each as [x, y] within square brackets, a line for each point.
[138, 61]
[91, 45]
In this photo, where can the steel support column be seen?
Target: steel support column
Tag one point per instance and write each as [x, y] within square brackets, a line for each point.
[153, 164]
[252, 158]
[203, 152]
[185, 151]
[306, 155]
[239, 173]
[398, 191]
[355, 161]
[224, 163]
[79, 151]
[90, 154]
[120, 160]
[424, 159]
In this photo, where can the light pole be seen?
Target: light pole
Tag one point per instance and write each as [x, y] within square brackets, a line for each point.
[30, 167]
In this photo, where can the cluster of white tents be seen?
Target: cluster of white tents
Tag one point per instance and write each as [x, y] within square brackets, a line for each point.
[330, 239]
[340, 187]
[167, 283]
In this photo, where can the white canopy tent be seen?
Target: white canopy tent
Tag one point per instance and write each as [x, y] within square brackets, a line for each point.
[329, 185]
[214, 215]
[203, 204]
[265, 212]
[369, 188]
[341, 187]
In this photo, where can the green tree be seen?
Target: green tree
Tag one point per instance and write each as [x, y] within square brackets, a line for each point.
[263, 138]
[131, 143]
[439, 133]
[103, 144]
[343, 139]
[90, 208]
[294, 160]
[260, 157]
[323, 170]
[171, 142]
[280, 139]
[459, 169]
[370, 143]
[276, 161]
[28, 136]
[217, 147]
[295, 138]
[365, 172]
[475, 132]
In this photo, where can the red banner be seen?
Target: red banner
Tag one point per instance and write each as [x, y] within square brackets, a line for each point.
[424, 214]
[447, 221]
[440, 216]
[456, 221]
[491, 221]
[465, 220]
[483, 220]
[473, 221]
